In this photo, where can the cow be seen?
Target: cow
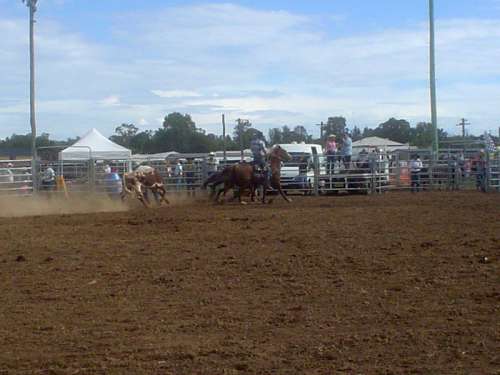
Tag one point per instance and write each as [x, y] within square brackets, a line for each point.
[141, 180]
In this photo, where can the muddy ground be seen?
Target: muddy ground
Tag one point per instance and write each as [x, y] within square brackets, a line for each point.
[391, 284]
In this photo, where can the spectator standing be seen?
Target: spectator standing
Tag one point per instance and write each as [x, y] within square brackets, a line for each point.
[480, 169]
[416, 166]
[347, 150]
[178, 174]
[452, 172]
[48, 178]
[331, 152]
[10, 174]
[212, 164]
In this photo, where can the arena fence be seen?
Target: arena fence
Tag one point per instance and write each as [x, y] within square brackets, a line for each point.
[16, 177]
[376, 172]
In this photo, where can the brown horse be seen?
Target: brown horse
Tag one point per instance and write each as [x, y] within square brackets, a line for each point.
[243, 176]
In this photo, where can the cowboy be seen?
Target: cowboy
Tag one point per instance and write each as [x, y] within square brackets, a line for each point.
[258, 148]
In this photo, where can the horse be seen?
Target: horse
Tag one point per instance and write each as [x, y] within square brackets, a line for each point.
[214, 180]
[243, 176]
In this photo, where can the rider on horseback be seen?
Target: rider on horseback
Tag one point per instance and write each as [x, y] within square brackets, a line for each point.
[258, 148]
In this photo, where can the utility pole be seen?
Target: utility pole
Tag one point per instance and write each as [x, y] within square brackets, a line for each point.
[31, 4]
[432, 65]
[224, 138]
[463, 123]
[321, 128]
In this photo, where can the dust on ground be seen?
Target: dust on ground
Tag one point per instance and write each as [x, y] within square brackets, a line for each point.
[77, 203]
[390, 284]
[40, 204]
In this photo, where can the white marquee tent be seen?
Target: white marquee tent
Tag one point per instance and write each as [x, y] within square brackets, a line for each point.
[384, 144]
[94, 145]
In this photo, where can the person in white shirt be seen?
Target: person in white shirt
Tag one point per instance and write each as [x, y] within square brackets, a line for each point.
[416, 166]
[49, 178]
[178, 174]
[10, 173]
[212, 164]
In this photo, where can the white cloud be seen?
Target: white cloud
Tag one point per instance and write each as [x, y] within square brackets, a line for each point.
[274, 67]
[176, 93]
[110, 101]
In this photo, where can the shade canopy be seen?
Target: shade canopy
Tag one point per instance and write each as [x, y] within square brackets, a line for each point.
[380, 143]
[94, 145]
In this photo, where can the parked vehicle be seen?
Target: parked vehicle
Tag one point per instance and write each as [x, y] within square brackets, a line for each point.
[298, 174]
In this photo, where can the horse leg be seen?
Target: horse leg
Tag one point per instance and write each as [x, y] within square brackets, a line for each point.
[282, 193]
[264, 192]
[242, 190]
[216, 200]
[227, 187]
[277, 186]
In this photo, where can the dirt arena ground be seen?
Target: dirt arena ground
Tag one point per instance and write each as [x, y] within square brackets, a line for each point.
[391, 284]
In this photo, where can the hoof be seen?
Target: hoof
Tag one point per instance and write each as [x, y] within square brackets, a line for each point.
[243, 203]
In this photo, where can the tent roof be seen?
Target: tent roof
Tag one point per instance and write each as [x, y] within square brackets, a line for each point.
[94, 145]
[377, 142]
[158, 156]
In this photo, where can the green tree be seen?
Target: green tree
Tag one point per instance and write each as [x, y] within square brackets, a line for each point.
[244, 133]
[367, 132]
[423, 135]
[275, 136]
[395, 130]
[180, 134]
[287, 135]
[141, 142]
[356, 134]
[124, 134]
[335, 125]
[176, 120]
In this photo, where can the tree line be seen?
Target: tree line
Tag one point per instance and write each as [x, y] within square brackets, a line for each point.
[180, 133]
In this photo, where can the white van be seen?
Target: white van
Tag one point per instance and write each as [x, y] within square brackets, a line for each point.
[298, 174]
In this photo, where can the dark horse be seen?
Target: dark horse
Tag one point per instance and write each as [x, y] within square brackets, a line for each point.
[243, 176]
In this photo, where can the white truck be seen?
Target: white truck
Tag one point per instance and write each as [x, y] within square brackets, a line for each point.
[297, 175]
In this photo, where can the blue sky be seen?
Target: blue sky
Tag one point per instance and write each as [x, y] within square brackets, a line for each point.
[102, 63]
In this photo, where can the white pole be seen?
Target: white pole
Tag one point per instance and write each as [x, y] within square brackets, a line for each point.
[432, 63]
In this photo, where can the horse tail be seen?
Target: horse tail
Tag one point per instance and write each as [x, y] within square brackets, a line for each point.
[211, 180]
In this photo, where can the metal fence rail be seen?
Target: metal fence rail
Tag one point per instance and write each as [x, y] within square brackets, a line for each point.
[16, 177]
[377, 172]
